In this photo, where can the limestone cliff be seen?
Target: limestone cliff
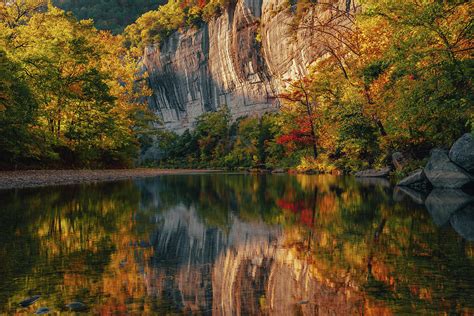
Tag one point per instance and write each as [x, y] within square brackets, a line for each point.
[239, 59]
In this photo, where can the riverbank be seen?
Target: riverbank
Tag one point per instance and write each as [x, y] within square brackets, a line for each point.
[38, 178]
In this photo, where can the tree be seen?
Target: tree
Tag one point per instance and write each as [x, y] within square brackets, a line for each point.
[301, 98]
[86, 85]
[17, 114]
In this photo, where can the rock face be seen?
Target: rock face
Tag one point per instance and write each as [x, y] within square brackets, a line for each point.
[442, 173]
[462, 152]
[223, 63]
[398, 160]
[417, 179]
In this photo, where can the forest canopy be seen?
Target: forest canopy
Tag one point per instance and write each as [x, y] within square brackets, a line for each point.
[109, 15]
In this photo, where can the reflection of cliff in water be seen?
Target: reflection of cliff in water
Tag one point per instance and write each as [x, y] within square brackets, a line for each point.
[245, 270]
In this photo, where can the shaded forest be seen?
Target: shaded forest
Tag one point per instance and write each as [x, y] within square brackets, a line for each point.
[109, 15]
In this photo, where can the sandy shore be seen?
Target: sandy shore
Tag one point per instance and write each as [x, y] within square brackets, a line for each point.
[36, 178]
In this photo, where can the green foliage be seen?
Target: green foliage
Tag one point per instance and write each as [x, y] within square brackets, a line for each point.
[108, 15]
[214, 8]
[17, 114]
[69, 93]
[430, 90]
[155, 26]
[212, 132]
[373, 71]
[356, 140]
[217, 142]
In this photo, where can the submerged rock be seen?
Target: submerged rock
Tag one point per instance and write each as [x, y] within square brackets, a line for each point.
[77, 306]
[29, 301]
[462, 152]
[442, 203]
[42, 311]
[463, 222]
[442, 173]
[384, 172]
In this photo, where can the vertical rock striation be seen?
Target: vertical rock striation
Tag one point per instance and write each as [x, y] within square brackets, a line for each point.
[239, 59]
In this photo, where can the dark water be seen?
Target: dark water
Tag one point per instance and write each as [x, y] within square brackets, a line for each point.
[237, 244]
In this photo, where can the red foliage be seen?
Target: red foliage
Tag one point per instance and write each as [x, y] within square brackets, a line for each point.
[306, 217]
[297, 136]
[201, 3]
[298, 207]
[290, 206]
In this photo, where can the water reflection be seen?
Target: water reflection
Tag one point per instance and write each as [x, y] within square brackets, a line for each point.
[236, 244]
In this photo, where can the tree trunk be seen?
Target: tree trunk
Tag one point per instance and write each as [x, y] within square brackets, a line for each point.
[310, 116]
[379, 124]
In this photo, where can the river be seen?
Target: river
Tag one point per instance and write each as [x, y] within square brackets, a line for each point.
[235, 244]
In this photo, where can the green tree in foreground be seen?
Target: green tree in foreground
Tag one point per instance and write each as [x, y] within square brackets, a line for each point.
[83, 86]
[17, 113]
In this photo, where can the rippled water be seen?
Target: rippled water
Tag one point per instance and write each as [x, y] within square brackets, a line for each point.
[228, 244]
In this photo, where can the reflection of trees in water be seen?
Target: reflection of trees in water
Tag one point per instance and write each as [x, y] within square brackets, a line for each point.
[232, 243]
[393, 252]
[60, 240]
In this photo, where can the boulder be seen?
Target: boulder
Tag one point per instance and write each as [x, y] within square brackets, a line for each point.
[442, 203]
[442, 173]
[398, 160]
[373, 173]
[42, 311]
[29, 301]
[462, 152]
[77, 306]
[399, 194]
[463, 222]
[416, 179]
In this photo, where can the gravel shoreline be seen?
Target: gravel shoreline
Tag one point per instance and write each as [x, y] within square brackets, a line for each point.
[38, 178]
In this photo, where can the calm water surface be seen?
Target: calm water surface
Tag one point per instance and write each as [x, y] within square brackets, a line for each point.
[229, 244]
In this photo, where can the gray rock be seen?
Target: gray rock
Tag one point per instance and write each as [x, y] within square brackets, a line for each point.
[462, 152]
[42, 311]
[400, 193]
[416, 179]
[442, 203]
[442, 173]
[384, 172]
[77, 306]
[29, 301]
[463, 222]
[398, 160]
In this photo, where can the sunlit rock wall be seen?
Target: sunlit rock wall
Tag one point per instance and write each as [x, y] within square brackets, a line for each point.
[223, 62]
